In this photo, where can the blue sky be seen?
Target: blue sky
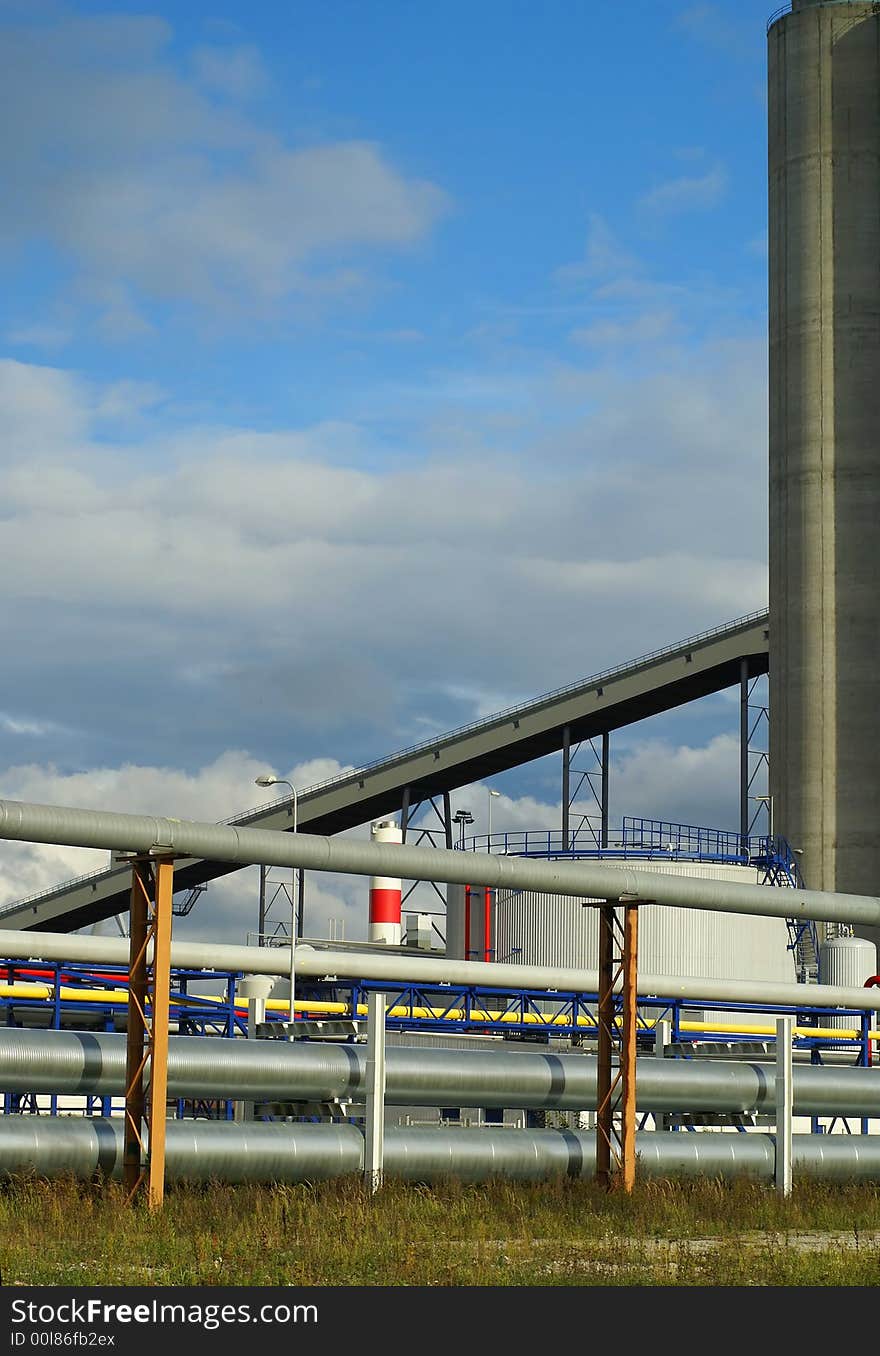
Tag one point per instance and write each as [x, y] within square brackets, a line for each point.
[364, 368]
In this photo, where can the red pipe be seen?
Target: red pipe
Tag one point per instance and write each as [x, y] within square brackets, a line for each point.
[869, 983]
[40, 972]
[487, 923]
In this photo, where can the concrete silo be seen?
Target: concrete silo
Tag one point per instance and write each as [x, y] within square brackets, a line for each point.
[824, 217]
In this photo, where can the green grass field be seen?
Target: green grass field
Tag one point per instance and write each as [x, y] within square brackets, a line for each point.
[560, 1233]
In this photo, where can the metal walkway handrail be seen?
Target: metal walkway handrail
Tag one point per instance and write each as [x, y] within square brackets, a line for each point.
[778, 14]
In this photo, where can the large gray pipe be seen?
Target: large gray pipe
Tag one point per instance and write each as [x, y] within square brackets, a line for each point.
[246, 847]
[320, 962]
[73, 1062]
[216, 1151]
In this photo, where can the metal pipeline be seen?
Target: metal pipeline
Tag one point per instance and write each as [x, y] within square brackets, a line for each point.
[313, 852]
[314, 962]
[199, 1151]
[86, 1063]
[318, 1007]
[321, 963]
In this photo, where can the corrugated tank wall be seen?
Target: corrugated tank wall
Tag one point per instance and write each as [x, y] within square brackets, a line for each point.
[538, 929]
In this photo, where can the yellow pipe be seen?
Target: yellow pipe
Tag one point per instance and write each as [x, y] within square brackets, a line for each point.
[23, 989]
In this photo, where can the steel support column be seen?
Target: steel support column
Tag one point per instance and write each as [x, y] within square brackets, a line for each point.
[784, 1102]
[603, 804]
[136, 1029]
[411, 803]
[374, 1129]
[616, 1089]
[744, 816]
[566, 786]
[152, 890]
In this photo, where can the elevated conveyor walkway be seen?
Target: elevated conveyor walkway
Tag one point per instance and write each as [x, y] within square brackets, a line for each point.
[647, 686]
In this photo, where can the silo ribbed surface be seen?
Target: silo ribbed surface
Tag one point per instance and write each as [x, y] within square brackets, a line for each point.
[824, 304]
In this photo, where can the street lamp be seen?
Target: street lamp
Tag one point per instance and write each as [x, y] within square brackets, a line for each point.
[267, 779]
[491, 796]
[768, 801]
[462, 817]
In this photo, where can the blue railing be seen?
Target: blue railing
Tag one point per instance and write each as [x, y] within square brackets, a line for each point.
[661, 839]
[690, 840]
[654, 838]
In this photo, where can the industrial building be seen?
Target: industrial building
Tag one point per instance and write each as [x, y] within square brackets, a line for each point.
[494, 1030]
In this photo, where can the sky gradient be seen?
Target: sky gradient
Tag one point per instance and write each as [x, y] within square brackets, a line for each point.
[366, 369]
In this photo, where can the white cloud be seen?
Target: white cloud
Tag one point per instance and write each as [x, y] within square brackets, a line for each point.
[237, 72]
[647, 328]
[25, 725]
[214, 792]
[652, 778]
[604, 256]
[270, 564]
[688, 193]
[682, 783]
[41, 335]
[152, 189]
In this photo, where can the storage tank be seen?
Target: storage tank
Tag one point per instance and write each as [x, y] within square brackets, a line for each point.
[824, 312]
[546, 929]
[848, 961]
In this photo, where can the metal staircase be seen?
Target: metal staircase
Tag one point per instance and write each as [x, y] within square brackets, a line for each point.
[781, 868]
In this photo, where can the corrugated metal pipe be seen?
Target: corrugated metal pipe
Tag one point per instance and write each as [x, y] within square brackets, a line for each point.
[199, 1151]
[246, 846]
[73, 1062]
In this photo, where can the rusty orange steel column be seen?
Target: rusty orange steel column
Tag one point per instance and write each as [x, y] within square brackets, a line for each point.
[616, 1090]
[147, 1041]
[628, 1047]
[605, 1020]
[136, 1047]
[158, 1089]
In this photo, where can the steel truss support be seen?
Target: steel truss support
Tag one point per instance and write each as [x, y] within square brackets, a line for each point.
[275, 889]
[616, 1088]
[409, 808]
[744, 816]
[755, 759]
[596, 780]
[143, 1162]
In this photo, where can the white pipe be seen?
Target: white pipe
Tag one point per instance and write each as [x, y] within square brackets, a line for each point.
[374, 1127]
[784, 1098]
[321, 963]
[587, 880]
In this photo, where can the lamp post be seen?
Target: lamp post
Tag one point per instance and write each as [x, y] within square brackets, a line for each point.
[490, 797]
[462, 817]
[267, 779]
[768, 801]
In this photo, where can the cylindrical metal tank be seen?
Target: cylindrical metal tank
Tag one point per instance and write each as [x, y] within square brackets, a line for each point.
[849, 961]
[824, 304]
[542, 929]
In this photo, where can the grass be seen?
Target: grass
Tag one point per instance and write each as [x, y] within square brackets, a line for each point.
[488, 1234]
